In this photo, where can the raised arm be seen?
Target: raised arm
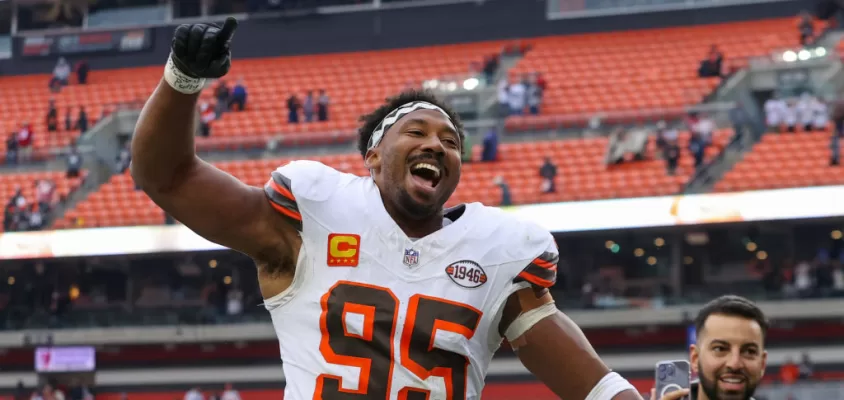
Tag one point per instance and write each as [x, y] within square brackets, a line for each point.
[207, 200]
[557, 352]
[549, 344]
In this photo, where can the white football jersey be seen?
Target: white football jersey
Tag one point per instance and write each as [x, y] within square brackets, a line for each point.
[373, 314]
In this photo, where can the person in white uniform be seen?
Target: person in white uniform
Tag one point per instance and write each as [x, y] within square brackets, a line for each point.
[375, 290]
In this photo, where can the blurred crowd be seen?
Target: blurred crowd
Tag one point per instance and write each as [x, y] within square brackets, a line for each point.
[23, 214]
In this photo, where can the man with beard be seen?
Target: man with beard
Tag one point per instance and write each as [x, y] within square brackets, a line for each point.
[729, 356]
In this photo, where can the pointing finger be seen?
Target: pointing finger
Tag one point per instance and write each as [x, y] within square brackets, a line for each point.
[227, 31]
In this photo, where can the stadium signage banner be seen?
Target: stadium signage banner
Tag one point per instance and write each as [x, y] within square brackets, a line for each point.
[644, 212]
[65, 359]
[122, 41]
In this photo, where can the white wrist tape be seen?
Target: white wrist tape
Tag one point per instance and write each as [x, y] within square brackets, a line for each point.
[181, 82]
[609, 386]
[527, 320]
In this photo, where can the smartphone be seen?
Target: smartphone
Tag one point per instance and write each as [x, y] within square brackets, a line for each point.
[671, 376]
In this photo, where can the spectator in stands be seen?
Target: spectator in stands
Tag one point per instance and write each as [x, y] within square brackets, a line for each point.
[806, 111]
[61, 75]
[124, 158]
[517, 97]
[293, 106]
[712, 65]
[671, 153]
[806, 28]
[82, 70]
[803, 281]
[221, 93]
[36, 217]
[308, 106]
[490, 146]
[12, 148]
[194, 394]
[806, 367]
[534, 95]
[82, 120]
[68, 119]
[775, 110]
[322, 106]
[74, 161]
[820, 111]
[206, 118]
[230, 393]
[702, 128]
[665, 135]
[790, 115]
[548, 172]
[503, 98]
[234, 302]
[45, 193]
[506, 198]
[490, 67]
[20, 392]
[52, 119]
[25, 140]
[238, 96]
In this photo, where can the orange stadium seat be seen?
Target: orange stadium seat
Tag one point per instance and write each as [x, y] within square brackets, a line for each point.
[355, 82]
[784, 161]
[580, 164]
[645, 69]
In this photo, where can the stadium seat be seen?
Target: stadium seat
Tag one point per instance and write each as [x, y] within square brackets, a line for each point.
[784, 161]
[580, 164]
[355, 82]
[641, 70]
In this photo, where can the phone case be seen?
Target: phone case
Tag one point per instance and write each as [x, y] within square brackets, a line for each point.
[672, 376]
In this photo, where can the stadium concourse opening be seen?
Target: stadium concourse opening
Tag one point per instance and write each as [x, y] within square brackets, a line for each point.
[667, 168]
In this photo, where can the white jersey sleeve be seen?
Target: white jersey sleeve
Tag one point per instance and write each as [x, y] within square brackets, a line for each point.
[297, 191]
[541, 270]
[293, 186]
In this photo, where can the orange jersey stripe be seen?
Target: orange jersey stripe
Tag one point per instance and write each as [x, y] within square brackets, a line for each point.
[544, 264]
[289, 213]
[535, 279]
[282, 191]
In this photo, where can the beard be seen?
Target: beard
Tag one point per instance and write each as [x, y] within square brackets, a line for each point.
[415, 210]
[710, 387]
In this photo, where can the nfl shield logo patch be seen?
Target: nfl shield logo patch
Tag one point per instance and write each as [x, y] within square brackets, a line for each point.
[411, 257]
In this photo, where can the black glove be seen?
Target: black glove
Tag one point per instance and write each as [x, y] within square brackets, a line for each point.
[202, 50]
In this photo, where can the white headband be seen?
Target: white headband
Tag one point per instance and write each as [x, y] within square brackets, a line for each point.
[395, 115]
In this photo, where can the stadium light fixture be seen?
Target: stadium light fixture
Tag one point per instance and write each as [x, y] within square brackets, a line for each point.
[804, 55]
[789, 56]
[820, 52]
[471, 83]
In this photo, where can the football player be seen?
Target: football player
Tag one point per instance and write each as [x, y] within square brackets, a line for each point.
[375, 290]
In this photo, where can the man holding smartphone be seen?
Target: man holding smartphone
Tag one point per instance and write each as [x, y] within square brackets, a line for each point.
[729, 356]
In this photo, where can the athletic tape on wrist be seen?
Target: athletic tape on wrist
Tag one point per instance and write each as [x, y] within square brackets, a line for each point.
[180, 81]
[609, 386]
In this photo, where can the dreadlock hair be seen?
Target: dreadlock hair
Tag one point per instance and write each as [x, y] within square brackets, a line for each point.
[370, 121]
